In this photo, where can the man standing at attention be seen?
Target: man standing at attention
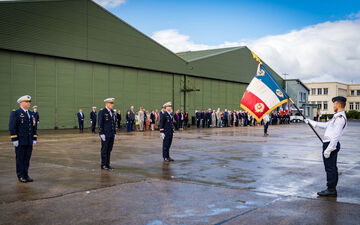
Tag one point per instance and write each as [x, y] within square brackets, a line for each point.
[81, 118]
[107, 131]
[167, 131]
[23, 133]
[93, 119]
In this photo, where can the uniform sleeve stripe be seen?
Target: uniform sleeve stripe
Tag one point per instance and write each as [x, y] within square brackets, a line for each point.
[35, 135]
[13, 136]
[161, 129]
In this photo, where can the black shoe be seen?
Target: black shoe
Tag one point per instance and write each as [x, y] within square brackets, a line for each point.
[171, 159]
[328, 193]
[104, 168]
[110, 168]
[22, 180]
[29, 179]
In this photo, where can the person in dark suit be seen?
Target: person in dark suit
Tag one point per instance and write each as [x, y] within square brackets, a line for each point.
[167, 131]
[23, 133]
[81, 117]
[107, 132]
[93, 117]
[36, 114]
[198, 118]
[118, 121]
[132, 117]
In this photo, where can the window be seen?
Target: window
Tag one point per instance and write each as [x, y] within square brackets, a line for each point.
[352, 92]
[351, 106]
[313, 91]
[357, 105]
[319, 91]
[312, 102]
[358, 92]
[326, 91]
[319, 105]
[304, 97]
[301, 96]
[325, 105]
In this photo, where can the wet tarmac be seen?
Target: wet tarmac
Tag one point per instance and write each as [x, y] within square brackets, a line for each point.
[220, 176]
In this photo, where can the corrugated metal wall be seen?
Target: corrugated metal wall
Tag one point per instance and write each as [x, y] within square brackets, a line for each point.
[61, 86]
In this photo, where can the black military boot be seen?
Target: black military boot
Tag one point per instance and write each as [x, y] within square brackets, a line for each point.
[328, 193]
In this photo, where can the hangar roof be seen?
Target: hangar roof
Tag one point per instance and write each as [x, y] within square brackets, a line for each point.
[83, 30]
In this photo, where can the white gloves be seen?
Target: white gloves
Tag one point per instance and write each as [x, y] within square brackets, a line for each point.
[90, 121]
[15, 143]
[328, 151]
[114, 136]
[34, 142]
[162, 136]
[312, 122]
[102, 136]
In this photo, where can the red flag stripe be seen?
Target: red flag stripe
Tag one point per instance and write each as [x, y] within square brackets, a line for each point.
[254, 104]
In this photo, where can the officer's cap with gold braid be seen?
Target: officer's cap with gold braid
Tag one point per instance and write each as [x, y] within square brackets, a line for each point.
[109, 100]
[167, 104]
[25, 98]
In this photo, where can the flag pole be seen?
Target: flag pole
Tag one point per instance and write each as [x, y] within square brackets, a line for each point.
[304, 119]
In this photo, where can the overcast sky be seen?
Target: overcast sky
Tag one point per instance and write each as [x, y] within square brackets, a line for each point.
[313, 41]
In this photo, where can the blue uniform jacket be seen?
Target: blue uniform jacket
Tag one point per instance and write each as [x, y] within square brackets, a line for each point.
[166, 124]
[107, 123]
[22, 128]
[80, 118]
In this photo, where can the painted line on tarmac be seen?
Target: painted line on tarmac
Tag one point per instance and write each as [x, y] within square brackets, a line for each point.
[249, 211]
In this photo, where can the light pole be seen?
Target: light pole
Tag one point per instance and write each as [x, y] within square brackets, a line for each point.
[285, 74]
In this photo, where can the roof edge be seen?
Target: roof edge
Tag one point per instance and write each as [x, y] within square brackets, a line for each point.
[214, 54]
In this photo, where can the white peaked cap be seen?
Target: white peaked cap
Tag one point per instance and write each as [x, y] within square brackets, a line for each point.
[24, 98]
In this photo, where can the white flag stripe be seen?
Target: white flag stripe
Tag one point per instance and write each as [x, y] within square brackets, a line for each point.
[258, 88]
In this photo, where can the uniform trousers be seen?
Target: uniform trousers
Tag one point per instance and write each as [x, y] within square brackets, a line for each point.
[330, 166]
[106, 148]
[23, 155]
[166, 145]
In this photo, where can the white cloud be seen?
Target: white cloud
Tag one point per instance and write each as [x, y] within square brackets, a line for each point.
[109, 3]
[328, 51]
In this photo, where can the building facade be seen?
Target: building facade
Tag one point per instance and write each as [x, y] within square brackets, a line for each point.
[321, 94]
[299, 93]
[73, 54]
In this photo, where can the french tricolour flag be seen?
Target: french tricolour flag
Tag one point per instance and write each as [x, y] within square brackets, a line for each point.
[263, 94]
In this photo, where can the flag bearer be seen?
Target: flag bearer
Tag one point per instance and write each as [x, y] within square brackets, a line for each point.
[334, 129]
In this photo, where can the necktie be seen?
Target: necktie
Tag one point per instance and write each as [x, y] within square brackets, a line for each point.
[27, 112]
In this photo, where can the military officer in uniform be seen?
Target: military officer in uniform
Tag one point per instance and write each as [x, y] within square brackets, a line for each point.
[81, 118]
[36, 114]
[93, 119]
[167, 131]
[22, 126]
[334, 129]
[266, 120]
[107, 131]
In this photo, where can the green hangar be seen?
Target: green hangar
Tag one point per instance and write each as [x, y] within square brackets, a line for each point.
[73, 54]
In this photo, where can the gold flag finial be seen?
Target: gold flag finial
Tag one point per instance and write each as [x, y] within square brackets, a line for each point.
[256, 57]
